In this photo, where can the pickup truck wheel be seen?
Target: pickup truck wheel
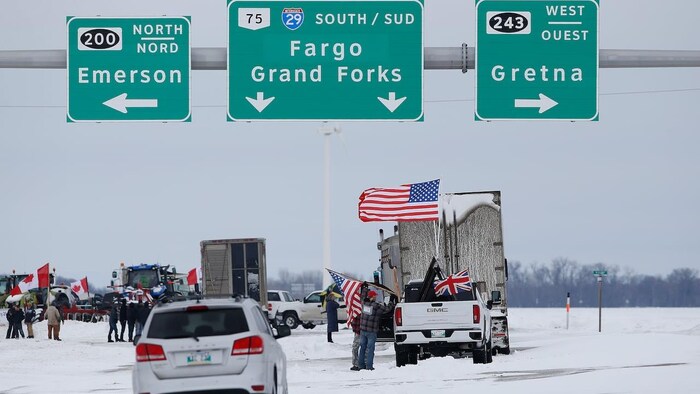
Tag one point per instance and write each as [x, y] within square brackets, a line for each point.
[505, 350]
[402, 355]
[413, 357]
[290, 320]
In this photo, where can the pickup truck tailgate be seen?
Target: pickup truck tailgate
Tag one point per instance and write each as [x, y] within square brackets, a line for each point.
[438, 315]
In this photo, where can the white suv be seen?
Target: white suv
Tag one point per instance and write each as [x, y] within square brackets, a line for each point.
[210, 344]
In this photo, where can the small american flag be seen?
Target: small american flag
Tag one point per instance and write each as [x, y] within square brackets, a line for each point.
[413, 202]
[453, 284]
[351, 294]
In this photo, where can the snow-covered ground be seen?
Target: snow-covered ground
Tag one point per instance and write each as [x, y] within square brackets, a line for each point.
[644, 350]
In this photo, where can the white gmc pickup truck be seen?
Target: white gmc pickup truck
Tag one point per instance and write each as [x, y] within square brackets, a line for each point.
[457, 325]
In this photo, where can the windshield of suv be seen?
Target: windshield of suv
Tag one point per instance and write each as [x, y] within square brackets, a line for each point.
[200, 323]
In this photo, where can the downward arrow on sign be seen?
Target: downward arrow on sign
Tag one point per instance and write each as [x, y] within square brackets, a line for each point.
[391, 103]
[259, 102]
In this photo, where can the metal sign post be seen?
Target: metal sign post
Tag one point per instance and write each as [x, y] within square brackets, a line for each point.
[600, 275]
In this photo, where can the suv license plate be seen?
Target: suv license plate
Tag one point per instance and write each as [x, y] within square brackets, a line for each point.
[437, 333]
[198, 358]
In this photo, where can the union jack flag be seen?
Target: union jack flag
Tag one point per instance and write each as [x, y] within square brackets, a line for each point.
[351, 294]
[453, 284]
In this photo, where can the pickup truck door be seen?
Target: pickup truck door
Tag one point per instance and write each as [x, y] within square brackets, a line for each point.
[311, 308]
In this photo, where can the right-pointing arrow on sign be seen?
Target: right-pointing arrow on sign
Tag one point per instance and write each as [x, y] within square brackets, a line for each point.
[260, 103]
[544, 103]
[392, 102]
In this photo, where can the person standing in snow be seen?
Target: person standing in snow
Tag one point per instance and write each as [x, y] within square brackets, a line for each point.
[332, 313]
[372, 311]
[113, 319]
[17, 319]
[10, 326]
[29, 316]
[53, 320]
[355, 324]
[131, 313]
[122, 319]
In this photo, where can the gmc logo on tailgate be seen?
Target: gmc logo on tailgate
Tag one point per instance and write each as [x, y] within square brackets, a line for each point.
[437, 309]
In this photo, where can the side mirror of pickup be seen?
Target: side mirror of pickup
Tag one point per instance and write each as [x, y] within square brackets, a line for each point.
[489, 304]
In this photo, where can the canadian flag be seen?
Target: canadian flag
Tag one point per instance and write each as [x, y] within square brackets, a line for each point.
[28, 283]
[192, 277]
[80, 287]
[32, 281]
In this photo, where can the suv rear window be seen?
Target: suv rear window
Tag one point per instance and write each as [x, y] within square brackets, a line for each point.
[201, 323]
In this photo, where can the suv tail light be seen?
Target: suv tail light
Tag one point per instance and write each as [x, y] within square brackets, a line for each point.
[269, 306]
[249, 345]
[146, 352]
[476, 311]
[398, 316]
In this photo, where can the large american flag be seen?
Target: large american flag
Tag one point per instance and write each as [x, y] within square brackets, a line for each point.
[351, 294]
[453, 284]
[413, 202]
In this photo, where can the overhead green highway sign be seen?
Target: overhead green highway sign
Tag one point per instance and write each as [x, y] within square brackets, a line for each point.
[128, 69]
[536, 59]
[325, 60]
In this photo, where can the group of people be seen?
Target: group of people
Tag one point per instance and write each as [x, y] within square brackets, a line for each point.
[132, 315]
[17, 315]
[365, 326]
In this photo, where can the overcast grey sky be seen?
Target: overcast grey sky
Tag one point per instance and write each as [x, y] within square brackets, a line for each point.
[622, 191]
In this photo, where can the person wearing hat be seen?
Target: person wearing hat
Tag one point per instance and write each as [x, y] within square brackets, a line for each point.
[372, 311]
[332, 314]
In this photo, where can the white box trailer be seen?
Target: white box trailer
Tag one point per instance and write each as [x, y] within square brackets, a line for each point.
[235, 267]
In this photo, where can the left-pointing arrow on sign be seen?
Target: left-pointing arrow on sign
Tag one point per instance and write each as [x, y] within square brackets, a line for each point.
[121, 103]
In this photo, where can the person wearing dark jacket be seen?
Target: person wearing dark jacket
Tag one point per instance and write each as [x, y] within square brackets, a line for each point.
[10, 326]
[372, 311]
[131, 319]
[113, 319]
[142, 315]
[29, 316]
[122, 319]
[17, 320]
[332, 315]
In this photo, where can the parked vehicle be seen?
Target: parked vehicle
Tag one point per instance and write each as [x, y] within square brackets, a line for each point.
[209, 345]
[309, 312]
[427, 325]
[279, 302]
[470, 237]
[235, 267]
[154, 280]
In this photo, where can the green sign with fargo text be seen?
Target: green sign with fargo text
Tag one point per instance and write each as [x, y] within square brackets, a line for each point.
[536, 59]
[325, 60]
[128, 69]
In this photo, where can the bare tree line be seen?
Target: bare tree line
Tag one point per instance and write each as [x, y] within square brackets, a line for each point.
[541, 285]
